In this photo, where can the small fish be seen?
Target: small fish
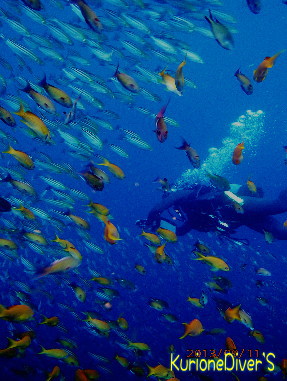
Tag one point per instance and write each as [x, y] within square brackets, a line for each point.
[237, 156]
[214, 262]
[245, 83]
[22, 157]
[251, 186]
[7, 117]
[16, 313]
[263, 272]
[269, 238]
[191, 153]
[35, 123]
[126, 81]
[179, 78]
[71, 115]
[167, 234]
[220, 32]
[60, 265]
[262, 70]
[89, 15]
[41, 100]
[57, 94]
[161, 127]
[160, 372]
[114, 169]
[194, 328]
[169, 82]
[257, 335]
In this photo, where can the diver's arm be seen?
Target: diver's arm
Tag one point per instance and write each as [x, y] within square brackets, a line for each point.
[174, 199]
[269, 224]
[263, 206]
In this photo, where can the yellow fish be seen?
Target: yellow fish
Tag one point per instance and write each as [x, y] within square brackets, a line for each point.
[167, 234]
[179, 78]
[34, 123]
[57, 94]
[169, 82]
[140, 346]
[114, 169]
[27, 213]
[55, 353]
[22, 157]
[151, 237]
[214, 262]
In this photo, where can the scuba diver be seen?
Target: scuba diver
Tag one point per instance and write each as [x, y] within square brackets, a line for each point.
[205, 208]
[5, 205]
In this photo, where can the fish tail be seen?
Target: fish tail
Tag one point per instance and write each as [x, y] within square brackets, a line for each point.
[21, 110]
[7, 179]
[117, 70]
[237, 72]
[9, 150]
[27, 88]
[43, 350]
[207, 19]
[162, 72]
[184, 145]
[11, 342]
[105, 163]
[43, 82]
[150, 370]
[2, 310]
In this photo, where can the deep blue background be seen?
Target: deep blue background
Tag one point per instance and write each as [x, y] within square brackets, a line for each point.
[204, 115]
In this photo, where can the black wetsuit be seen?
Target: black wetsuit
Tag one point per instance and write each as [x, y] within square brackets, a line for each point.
[204, 208]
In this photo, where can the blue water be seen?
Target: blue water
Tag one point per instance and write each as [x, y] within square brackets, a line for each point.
[204, 115]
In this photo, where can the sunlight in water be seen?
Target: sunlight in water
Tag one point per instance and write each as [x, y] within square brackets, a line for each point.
[248, 129]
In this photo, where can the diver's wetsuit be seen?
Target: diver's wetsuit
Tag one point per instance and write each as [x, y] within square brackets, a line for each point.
[204, 208]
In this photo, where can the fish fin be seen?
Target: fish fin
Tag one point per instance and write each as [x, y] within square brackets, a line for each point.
[8, 150]
[21, 110]
[27, 88]
[43, 81]
[117, 70]
[7, 179]
[184, 144]
[42, 350]
[207, 19]
[2, 309]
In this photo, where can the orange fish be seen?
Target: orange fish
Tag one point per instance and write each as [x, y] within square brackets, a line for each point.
[161, 127]
[18, 313]
[230, 345]
[194, 328]
[232, 314]
[237, 156]
[111, 234]
[261, 72]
